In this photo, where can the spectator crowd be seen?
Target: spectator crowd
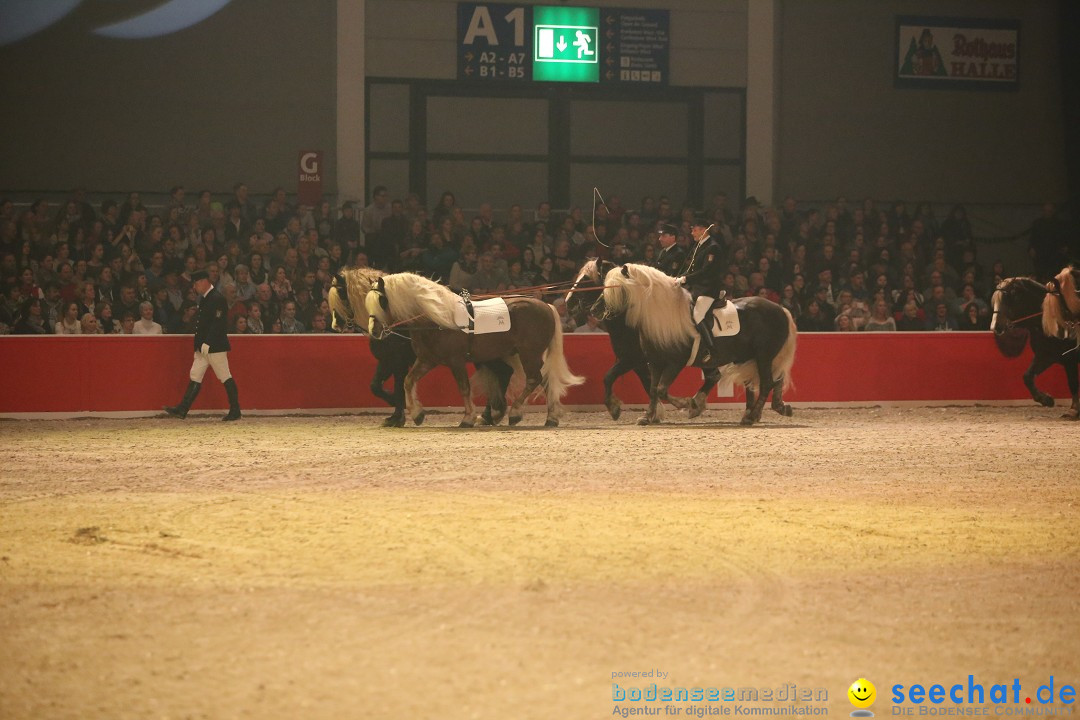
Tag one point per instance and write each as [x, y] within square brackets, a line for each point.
[122, 268]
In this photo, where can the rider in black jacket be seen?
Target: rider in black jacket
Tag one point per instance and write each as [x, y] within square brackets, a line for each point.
[704, 277]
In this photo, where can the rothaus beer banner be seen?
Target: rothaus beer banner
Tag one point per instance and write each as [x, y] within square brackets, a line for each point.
[957, 53]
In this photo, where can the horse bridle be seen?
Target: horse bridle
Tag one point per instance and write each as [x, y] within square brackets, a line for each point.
[1010, 323]
[350, 318]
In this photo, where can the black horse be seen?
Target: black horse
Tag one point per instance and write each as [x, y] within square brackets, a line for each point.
[760, 355]
[1018, 316]
[586, 296]
[394, 353]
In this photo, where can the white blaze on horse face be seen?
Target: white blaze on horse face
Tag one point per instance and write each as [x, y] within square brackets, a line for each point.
[371, 325]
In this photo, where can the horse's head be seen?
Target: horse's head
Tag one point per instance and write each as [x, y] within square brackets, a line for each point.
[378, 308]
[614, 298]
[338, 299]
[588, 286]
[1016, 300]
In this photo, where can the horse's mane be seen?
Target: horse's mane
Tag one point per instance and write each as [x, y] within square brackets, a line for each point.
[410, 295]
[1058, 308]
[358, 282]
[654, 305]
[591, 270]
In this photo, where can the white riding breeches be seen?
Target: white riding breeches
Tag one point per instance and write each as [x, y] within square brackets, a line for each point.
[701, 308]
[219, 361]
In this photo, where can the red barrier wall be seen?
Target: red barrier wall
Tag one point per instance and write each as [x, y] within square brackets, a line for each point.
[139, 373]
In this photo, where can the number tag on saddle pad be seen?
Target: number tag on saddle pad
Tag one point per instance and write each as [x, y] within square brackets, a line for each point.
[488, 316]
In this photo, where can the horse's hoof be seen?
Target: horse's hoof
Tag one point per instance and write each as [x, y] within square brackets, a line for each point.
[485, 417]
[496, 418]
[747, 420]
[551, 422]
[614, 408]
[644, 420]
[785, 410]
[1046, 401]
[515, 419]
[466, 424]
[419, 419]
[1073, 414]
[394, 421]
[696, 407]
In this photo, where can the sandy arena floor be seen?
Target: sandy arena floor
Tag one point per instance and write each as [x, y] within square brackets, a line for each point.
[300, 567]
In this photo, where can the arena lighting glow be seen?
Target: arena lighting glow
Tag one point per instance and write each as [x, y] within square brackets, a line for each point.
[565, 47]
[171, 17]
[22, 18]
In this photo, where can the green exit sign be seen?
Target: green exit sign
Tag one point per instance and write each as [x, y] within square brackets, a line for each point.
[565, 44]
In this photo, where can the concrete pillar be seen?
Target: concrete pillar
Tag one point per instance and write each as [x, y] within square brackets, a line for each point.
[762, 84]
[349, 159]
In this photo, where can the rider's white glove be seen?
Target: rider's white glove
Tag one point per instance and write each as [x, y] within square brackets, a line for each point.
[205, 349]
[681, 280]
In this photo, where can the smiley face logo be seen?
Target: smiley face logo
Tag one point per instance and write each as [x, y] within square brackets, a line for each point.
[862, 693]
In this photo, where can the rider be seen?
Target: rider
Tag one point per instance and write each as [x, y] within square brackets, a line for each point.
[704, 277]
[671, 257]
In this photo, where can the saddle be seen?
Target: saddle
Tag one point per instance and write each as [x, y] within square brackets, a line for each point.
[725, 319]
[479, 317]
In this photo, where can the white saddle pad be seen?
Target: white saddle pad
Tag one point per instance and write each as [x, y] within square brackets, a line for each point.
[489, 316]
[727, 320]
[727, 317]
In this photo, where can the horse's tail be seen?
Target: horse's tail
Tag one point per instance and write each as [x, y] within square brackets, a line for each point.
[785, 359]
[556, 373]
[746, 373]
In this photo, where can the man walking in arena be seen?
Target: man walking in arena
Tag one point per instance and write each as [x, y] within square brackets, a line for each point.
[211, 348]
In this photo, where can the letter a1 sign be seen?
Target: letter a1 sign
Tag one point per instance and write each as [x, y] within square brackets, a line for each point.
[309, 178]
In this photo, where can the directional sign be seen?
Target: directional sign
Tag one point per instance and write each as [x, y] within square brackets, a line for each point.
[494, 42]
[636, 46]
[565, 44]
[518, 43]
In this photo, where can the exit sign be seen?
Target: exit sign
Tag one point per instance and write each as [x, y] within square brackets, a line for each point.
[565, 44]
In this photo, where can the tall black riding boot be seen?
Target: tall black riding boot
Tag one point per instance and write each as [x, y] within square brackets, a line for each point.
[705, 330]
[181, 410]
[234, 400]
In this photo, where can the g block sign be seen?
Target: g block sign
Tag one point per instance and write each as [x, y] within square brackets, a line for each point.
[309, 178]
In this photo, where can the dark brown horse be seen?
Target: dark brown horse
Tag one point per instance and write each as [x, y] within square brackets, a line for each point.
[1024, 306]
[625, 340]
[427, 310]
[760, 355]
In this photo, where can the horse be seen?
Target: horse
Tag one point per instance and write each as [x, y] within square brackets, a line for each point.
[427, 308]
[625, 340]
[759, 356]
[394, 352]
[1022, 304]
